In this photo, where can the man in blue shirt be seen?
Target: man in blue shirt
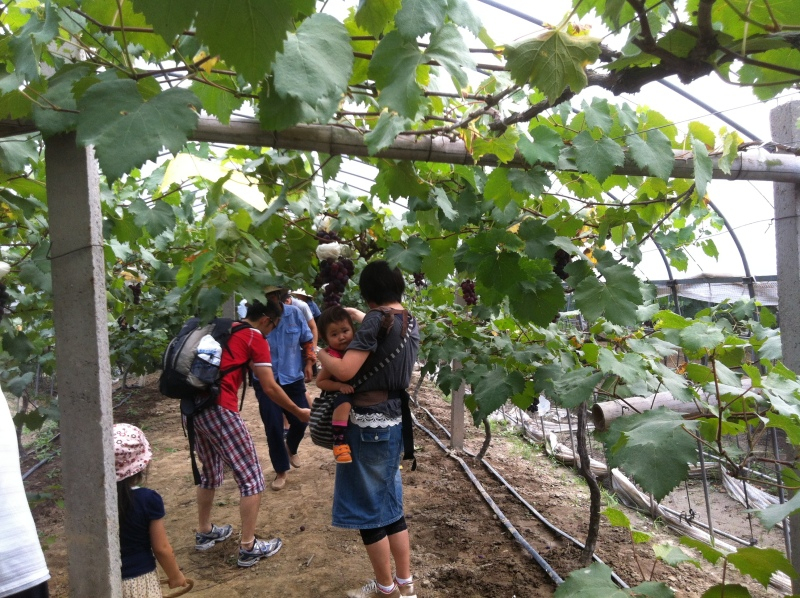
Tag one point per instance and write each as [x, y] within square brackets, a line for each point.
[293, 355]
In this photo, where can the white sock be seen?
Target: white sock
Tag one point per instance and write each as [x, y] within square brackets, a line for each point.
[385, 589]
[403, 582]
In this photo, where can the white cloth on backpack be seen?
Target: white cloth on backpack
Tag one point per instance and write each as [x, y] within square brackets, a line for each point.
[208, 349]
[22, 564]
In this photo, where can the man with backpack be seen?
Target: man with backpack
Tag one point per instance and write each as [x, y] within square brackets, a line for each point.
[221, 436]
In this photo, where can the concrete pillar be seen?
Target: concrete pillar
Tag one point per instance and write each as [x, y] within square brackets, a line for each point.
[783, 125]
[83, 368]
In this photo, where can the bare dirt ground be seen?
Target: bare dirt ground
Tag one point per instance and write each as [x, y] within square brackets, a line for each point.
[459, 545]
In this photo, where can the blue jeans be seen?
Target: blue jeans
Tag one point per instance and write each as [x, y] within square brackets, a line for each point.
[368, 492]
[272, 417]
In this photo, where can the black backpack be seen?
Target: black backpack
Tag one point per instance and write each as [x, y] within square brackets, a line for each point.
[194, 380]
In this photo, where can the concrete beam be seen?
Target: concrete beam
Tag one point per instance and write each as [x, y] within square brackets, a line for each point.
[83, 369]
[345, 140]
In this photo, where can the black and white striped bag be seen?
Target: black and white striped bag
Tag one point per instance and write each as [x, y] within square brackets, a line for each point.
[321, 417]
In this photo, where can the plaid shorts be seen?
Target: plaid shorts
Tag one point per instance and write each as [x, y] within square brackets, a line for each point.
[222, 438]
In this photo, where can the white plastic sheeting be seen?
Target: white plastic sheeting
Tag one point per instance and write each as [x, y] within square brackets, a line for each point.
[715, 289]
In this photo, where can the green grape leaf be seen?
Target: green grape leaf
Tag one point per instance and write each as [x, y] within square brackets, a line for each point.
[545, 148]
[440, 263]
[769, 82]
[774, 514]
[449, 49]
[394, 70]
[617, 298]
[701, 336]
[246, 34]
[771, 349]
[16, 153]
[439, 197]
[398, 179]
[277, 113]
[575, 387]
[712, 555]
[385, 132]
[17, 386]
[653, 448]
[169, 19]
[591, 582]
[126, 131]
[494, 389]
[553, 62]
[727, 590]
[59, 95]
[316, 62]
[595, 582]
[409, 258]
[461, 14]
[497, 275]
[786, 423]
[675, 383]
[529, 182]
[617, 518]
[598, 114]
[17, 344]
[703, 167]
[32, 275]
[33, 420]
[539, 295]
[136, 24]
[673, 556]
[504, 146]
[208, 302]
[538, 238]
[640, 537]
[629, 366]
[418, 17]
[375, 15]
[598, 157]
[702, 132]
[155, 220]
[216, 101]
[652, 151]
[26, 45]
[761, 563]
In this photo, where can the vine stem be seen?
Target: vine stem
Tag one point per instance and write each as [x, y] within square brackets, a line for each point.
[585, 471]
[486, 441]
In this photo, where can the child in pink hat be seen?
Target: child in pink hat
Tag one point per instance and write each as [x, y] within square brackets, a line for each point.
[142, 536]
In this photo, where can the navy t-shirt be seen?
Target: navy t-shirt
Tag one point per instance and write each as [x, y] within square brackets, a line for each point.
[134, 533]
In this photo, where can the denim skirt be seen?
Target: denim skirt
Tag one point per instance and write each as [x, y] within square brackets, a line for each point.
[368, 492]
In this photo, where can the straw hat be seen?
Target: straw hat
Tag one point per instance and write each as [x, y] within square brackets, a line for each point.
[132, 452]
[272, 289]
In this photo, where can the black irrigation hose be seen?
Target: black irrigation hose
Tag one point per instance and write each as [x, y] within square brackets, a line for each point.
[503, 519]
[516, 495]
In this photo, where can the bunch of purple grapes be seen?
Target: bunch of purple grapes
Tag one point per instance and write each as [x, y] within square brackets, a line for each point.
[334, 275]
[325, 236]
[136, 289]
[468, 292]
[419, 280]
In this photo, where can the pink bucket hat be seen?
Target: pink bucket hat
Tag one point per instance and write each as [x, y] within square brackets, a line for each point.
[132, 452]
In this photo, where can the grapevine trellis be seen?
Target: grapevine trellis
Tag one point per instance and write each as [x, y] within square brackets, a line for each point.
[502, 184]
